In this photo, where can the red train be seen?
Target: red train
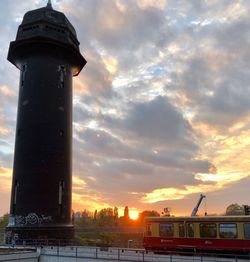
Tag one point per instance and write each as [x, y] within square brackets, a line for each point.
[229, 234]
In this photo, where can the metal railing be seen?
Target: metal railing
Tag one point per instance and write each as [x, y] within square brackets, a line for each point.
[71, 249]
[128, 254]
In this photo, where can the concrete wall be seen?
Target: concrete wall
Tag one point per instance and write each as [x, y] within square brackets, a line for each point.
[71, 259]
[24, 257]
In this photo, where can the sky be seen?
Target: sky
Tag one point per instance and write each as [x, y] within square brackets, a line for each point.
[161, 110]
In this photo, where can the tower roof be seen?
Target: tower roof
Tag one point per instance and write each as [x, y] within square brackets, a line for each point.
[47, 23]
[48, 27]
[47, 14]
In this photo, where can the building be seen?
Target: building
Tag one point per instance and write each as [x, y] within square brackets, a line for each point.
[46, 51]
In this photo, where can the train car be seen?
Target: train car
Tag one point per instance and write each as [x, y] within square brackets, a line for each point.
[218, 234]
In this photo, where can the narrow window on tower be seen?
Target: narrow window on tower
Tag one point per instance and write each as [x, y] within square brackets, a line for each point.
[60, 196]
[61, 132]
[24, 69]
[15, 196]
[62, 71]
[16, 189]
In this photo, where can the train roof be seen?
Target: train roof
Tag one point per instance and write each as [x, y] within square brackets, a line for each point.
[198, 219]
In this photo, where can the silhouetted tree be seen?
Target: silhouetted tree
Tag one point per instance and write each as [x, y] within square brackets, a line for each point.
[84, 218]
[235, 210]
[126, 213]
[4, 221]
[105, 216]
[116, 215]
[95, 215]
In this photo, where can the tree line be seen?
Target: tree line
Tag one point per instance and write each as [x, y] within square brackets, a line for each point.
[109, 217]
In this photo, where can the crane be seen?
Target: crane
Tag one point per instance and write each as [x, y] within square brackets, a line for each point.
[195, 210]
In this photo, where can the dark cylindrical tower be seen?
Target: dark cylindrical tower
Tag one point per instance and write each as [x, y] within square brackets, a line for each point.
[46, 51]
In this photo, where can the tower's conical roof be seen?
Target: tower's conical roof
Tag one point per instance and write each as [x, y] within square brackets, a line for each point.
[48, 27]
[47, 22]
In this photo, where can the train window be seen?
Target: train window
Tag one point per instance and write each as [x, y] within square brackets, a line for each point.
[166, 230]
[190, 230]
[228, 231]
[148, 230]
[181, 230]
[208, 230]
[247, 231]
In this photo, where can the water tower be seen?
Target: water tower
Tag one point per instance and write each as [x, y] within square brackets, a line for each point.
[46, 51]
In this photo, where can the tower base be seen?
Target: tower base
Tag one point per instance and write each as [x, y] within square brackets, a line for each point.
[39, 235]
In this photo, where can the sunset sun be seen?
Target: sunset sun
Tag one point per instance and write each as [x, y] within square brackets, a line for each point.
[133, 215]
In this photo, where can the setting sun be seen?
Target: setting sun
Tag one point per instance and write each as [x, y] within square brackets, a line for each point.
[134, 215]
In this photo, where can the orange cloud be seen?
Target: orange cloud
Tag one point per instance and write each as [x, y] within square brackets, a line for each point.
[5, 179]
[212, 182]
[78, 183]
[87, 201]
[111, 64]
[4, 131]
[6, 91]
[171, 193]
[161, 4]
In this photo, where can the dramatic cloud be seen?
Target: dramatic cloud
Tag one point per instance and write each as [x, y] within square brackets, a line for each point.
[162, 108]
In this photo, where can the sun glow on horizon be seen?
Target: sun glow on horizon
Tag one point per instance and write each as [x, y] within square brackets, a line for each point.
[134, 215]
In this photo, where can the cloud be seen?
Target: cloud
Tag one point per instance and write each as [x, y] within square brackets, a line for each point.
[163, 99]
[5, 179]
[169, 137]
[219, 181]
[89, 202]
[116, 24]
[160, 121]
[96, 72]
[228, 105]
[170, 108]
[117, 151]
